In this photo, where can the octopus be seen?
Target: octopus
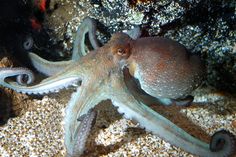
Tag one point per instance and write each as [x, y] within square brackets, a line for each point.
[128, 70]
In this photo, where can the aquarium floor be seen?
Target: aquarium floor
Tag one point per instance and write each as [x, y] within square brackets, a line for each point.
[37, 130]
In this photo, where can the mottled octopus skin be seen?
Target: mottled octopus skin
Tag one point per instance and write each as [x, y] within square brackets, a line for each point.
[101, 73]
[164, 68]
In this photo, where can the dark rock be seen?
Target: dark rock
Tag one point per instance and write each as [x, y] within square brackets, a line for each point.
[5, 108]
[203, 26]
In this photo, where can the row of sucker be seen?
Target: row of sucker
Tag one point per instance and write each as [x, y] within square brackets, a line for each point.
[223, 143]
[51, 88]
[86, 123]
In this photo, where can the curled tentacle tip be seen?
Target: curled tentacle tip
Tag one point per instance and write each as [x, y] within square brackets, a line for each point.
[24, 79]
[28, 43]
[223, 142]
[23, 76]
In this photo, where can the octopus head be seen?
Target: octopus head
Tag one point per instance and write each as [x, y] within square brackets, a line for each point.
[120, 47]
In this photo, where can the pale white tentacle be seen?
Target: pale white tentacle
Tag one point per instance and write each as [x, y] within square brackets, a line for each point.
[84, 99]
[46, 67]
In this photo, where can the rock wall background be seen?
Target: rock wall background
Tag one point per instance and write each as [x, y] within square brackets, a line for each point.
[205, 27]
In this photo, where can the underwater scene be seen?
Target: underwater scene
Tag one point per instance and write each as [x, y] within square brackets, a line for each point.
[117, 78]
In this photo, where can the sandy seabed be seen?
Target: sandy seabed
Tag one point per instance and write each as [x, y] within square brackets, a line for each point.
[37, 130]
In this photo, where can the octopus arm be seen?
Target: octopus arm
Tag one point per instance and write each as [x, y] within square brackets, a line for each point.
[51, 84]
[86, 123]
[46, 67]
[50, 68]
[19, 73]
[159, 125]
[134, 33]
[82, 101]
[87, 26]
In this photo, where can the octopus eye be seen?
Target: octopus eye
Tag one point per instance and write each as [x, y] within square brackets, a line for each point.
[121, 52]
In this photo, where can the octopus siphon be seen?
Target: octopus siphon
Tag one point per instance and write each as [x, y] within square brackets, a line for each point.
[160, 68]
